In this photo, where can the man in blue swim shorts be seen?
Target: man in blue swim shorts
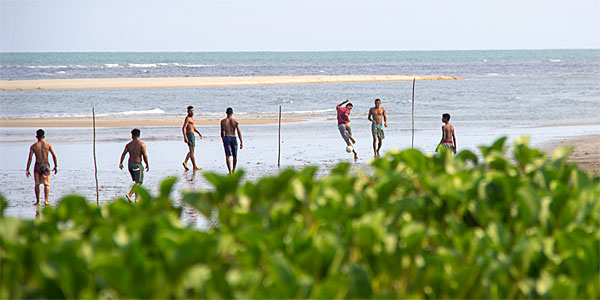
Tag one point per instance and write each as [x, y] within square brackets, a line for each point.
[229, 126]
[376, 114]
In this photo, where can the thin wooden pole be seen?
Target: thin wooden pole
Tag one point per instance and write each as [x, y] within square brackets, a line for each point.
[279, 140]
[412, 145]
[95, 165]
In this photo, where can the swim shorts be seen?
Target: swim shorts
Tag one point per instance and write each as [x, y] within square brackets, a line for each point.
[41, 172]
[137, 172]
[345, 131]
[377, 130]
[231, 146]
[191, 139]
[448, 145]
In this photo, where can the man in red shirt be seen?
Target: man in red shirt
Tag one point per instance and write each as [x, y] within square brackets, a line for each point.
[344, 124]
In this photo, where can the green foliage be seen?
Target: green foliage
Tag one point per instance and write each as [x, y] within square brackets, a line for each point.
[419, 226]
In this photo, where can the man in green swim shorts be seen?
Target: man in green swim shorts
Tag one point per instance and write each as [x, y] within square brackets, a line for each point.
[375, 115]
[136, 150]
[188, 137]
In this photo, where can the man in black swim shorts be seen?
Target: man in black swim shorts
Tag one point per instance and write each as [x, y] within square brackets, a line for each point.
[229, 126]
[137, 150]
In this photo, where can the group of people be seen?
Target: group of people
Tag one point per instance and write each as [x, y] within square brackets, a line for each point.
[378, 118]
[137, 153]
[229, 127]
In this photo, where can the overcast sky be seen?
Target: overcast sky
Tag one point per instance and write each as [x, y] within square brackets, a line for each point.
[308, 25]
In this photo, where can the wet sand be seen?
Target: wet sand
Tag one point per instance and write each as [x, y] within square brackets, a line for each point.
[175, 82]
[105, 122]
[586, 150]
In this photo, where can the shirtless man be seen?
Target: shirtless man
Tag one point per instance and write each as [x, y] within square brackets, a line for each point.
[448, 138]
[375, 114]
[343, 118]
[228, 127]
[188, 130]
[41, 170]
[136, 150]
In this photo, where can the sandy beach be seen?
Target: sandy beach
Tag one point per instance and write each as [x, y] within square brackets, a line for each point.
[123, 122]
[178, 82]
[586, 150]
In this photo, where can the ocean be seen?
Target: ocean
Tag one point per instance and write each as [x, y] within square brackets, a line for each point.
[503, 93]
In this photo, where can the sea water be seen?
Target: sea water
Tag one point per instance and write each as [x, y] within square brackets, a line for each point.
[503, 93]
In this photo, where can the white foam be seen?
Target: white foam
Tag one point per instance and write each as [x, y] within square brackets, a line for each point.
[191, 66]
[493, 74]
[154, 111]
[111, 65]
[142, 65]
[554, 60]
[61, 72]
[162, 64]
[47, 67]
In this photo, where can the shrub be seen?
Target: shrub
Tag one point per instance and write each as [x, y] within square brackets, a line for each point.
[419, 226]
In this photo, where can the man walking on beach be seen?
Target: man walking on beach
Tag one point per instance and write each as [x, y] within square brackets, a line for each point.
[136, 150]
[41, 169]
[375, 115]
[448, 138]
[228, 127]
[343, 118]
[189, 138]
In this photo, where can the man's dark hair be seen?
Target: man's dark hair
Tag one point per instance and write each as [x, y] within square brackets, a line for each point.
[349, 104]
[190, 107]
[39, 134]
[229, 111]
[135, 132]
[446, 116]
[377, 100]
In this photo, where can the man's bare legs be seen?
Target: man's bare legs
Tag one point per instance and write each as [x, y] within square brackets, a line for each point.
[46, 194]
[191, 157]
[131, 192]
[231, 170]
[353, 151]
[37, 194]
[376, 148]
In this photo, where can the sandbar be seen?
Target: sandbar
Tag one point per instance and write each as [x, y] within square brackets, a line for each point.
[586, 150]
[182, 82]
[146, 122]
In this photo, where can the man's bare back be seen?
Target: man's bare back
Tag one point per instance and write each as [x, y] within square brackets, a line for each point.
[448, 131]
[229, 126]
[136, 149]
[41, 150]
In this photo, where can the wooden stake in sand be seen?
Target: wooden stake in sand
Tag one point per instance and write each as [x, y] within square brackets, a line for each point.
[95, 165]
[279, 140]
[412, 145]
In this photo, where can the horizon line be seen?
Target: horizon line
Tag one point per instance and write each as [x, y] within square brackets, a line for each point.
[300, 51]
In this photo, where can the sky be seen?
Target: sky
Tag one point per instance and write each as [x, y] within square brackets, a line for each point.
[292, 25]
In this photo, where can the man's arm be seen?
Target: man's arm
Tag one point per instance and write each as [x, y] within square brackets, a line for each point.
[196, 130]
[343, 102]
[145, 157]
[384, 118]
[222, 129]
[441, 140]
[27, 174]
[237, 126]
[54, 159]
[122, 157]
[369, 116]
[454, 138]
[185, 124]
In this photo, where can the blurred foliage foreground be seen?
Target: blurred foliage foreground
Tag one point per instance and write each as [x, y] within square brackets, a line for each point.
[420, 226]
